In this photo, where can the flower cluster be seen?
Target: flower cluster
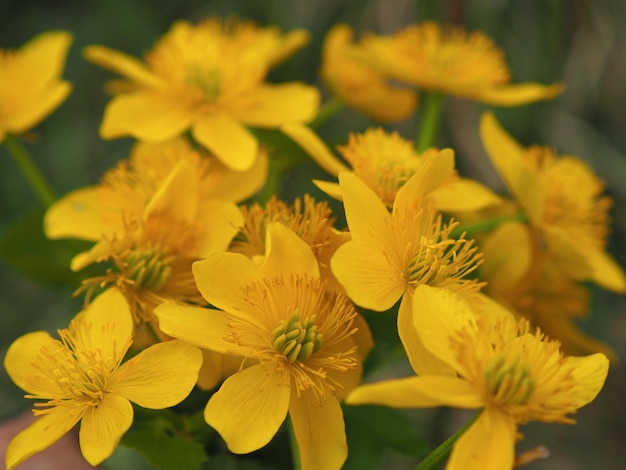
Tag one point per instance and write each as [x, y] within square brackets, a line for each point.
[206, 279]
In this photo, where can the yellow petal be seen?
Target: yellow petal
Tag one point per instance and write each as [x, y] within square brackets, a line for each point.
[220, 278]
[606, 272]
[589, 374]
[331, 189]
[223, 219]
[365, 273]
[418, 392]
[76, 215]
[36, 106]
[275, 105]
[436, 170]
[40, 435]
[99, 252]
[515, 95]
[239, 185]
[570, 257]
[286, 252]
[508, 157]
[319, 431]
[198, 326]
[145, 115]
[228, 139]
[121, 63]
[314, 146]
[45, 56]
[160, 376]
[177, 194]
[211, 371]
[21, 360]
[249, 408]
[422, 360]
[489, 444]
[103, 426]
[464, 195]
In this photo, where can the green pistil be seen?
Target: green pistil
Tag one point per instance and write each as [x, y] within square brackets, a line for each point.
[509, 383]
[148, 270]
[297, 340]
[207, 82]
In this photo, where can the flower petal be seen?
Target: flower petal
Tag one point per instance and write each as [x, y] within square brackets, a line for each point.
[177, 194]
[589, 374]
[331, 189]
[570, 257]
[45, 56]
[201, 327]
[236, 186]
[145, 115]
[228, 139]
[222, 221]
[489, 444]
[76, 215]
[286, 252]
[40, 435]
[274, 105]
[418, 392]
[320, 431]
[36, 106]
[464, 195]
[121, 63]
[606, 272]
[515, 95]
[249, 408]
[160, 376]
[102, 427]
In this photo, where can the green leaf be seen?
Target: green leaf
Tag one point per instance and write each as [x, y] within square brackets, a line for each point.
[157, 437]
[233, 462]
[26, 249]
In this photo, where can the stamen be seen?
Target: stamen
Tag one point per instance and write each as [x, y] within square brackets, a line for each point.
[296, 339]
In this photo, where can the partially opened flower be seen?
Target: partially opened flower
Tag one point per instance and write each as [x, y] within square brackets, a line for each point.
[82, 378]
[300, 347]
[30, 81]
[450, 60]
[208, 78]
[360, 86]
[513, 374]
[563, 199]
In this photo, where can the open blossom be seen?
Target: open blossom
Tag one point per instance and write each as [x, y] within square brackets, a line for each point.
[82, 378]
[563, 200]
[513, 374]
[30, 83]
[300, 346]
[448, 59]
[208, 78]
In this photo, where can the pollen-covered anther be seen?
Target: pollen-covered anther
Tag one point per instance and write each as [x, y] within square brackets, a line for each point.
[148, 269]
[297, 339]
[509, 382]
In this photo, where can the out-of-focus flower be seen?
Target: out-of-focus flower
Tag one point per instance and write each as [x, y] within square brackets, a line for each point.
[82, 378]
[360, 86]
[516, 376]
[563, 199]
[30, 81]
[209, 78]
[301, 347]
[450, 60]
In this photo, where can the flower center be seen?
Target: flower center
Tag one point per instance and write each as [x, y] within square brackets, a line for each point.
[297, 339]
[147, 269]
[508, 382]
[207, 81]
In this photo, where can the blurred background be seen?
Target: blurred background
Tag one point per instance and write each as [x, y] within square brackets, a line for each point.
[582, 43]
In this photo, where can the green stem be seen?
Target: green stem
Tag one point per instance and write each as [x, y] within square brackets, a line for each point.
[295, 452]
[486, 225]
[432, 106]
[37, 181]
[440, 453]
[327, 110]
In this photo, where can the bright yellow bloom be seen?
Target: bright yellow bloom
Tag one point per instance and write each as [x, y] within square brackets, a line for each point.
[562, 198]
[515, 375]
[450, 60]
[390, 254]
[359, 86]
[300, 347]
[209, 78]
[82, 378]
[30, 84]
[312, 221]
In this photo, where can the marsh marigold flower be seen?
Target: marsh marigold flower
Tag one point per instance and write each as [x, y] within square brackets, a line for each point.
[82, 377]
[300, 347]
[208, 78]
[450, 60]
[513, 374]
[359, 86]
[563, 199]
[30, 83]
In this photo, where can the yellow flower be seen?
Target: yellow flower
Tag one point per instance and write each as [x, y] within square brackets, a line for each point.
[209, 78]
[82, 378]
[562, 198]
[359, 86]
[390, 254]
[300, 347]
[516, 376]
[450, 60]
[312, 221]
[30, 84]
